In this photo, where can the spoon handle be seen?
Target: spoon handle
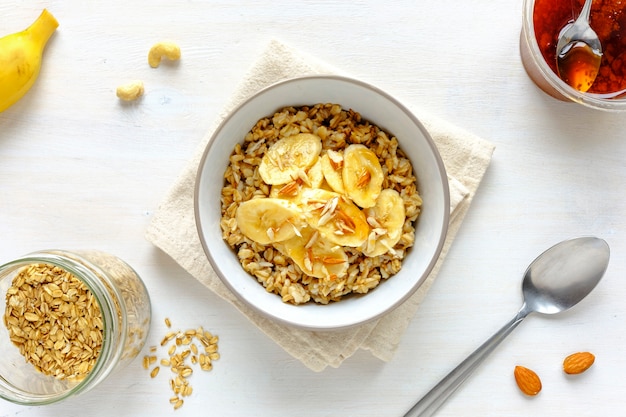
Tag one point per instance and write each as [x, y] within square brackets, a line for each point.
[440, 393]
[586, 11]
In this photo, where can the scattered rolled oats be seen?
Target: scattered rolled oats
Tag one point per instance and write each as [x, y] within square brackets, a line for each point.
[185, 349]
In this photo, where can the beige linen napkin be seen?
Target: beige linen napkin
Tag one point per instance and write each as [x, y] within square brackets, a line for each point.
[173, 226]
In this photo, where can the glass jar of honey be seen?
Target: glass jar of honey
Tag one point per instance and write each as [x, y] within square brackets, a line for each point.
[543, 20]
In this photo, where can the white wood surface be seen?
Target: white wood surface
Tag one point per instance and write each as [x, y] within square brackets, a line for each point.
[79, 169]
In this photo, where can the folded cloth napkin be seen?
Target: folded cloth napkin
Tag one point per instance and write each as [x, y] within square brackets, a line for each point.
[173, 229]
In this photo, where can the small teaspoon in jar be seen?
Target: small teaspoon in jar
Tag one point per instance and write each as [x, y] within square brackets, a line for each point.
[579, 52]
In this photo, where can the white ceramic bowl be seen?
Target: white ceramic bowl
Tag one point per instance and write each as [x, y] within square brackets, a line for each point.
[380, 109]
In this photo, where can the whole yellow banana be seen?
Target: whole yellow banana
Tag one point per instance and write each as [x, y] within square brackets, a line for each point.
[20, 58]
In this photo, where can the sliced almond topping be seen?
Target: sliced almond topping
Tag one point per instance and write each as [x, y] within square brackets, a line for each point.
[364, 179]
[330, 206]
[296, 230]
[345, 220]
[279, 162]
[308, 264]
[289, 189]
[379, 231]
[312, 240]
[302, 176]
[330, 260]
[373, 222]
[336, 160]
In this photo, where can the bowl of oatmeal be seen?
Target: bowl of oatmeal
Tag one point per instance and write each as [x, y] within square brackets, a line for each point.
[322, 202]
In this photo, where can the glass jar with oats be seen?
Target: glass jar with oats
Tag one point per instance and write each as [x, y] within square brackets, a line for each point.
[70, 319]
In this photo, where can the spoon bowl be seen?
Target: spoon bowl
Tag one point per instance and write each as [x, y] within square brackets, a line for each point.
[579, 52]
[555, 281]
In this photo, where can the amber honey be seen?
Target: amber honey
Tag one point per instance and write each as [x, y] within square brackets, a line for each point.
[608, 19]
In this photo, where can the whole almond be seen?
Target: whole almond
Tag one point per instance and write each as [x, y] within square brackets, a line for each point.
[579, 362]
[527, 380]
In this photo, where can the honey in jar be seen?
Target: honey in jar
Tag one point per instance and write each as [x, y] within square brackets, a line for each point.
[608, 20]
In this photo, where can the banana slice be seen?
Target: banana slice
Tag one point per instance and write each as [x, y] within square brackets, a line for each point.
[362, 175]
[387, 219]
[269, 220]
[332, 166]
[314, 175]
[315, 255]
[336, 218]
[284, 160]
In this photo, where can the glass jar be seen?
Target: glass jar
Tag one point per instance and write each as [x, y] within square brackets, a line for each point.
[125, 311]
[543, 74]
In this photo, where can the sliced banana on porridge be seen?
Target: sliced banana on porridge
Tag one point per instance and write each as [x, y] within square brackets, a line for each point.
[289, 157]
[386, 220]
[315, 175]
[362, 175]
[316, 256]
[332, 166]
[315, 206]
[269, 220]
[336, 218]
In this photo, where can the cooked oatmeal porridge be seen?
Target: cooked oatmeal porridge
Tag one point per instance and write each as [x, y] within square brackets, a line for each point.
[319, 203]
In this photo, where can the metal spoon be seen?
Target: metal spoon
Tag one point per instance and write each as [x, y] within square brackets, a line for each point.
[579, 52]
[558, 279]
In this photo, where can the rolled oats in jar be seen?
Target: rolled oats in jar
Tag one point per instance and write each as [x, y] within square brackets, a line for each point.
[70, 319]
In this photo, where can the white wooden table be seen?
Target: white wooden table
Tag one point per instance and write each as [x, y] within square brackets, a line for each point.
[80, 170]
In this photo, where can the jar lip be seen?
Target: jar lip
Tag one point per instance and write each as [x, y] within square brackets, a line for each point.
[591, 100]
[108, 310]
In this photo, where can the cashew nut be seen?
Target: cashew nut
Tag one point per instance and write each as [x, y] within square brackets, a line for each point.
[163, 49]
[130, 91]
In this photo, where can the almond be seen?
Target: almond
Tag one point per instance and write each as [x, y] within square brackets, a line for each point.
[527, 380]
[579, 362]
